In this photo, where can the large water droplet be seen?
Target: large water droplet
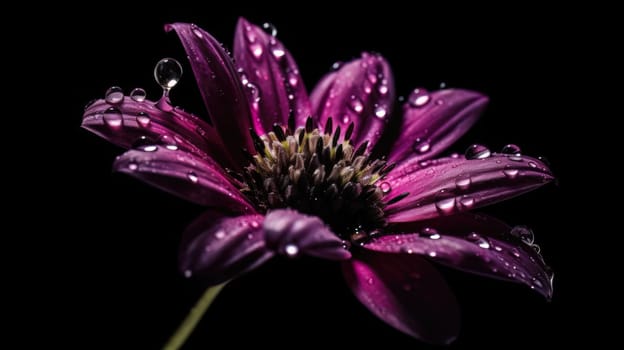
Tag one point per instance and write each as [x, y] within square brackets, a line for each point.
[385, 187]
[477, 152]
[278, 51]
[197, 31]
[511, 149]
[467, 202]
[445, 205]
[138, 95]
[291, 250]
[143, 119]
[463, 182]
[421, 145]
[270, 29]
[167, 73]
[112, 118]
[192, 177]
[418, 98]
[114, 95]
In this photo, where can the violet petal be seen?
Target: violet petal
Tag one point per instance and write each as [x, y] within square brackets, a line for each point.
[130, 121]
[220, 88]
[361, 91]
[180, 173]
[458, 184]
[291, 233]
[406, 292]
[269, 66]
[217, 248]
[474, 243]
[433, 123]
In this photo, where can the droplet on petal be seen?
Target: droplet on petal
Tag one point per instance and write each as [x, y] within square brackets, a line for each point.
[167, 73]
[421, 145]
[112, 118]
[463, 182]
[385, 187]
[291, 250]
[114, 95]
[511, 149]
[192, 177]
[510, 173]
[477, 152]
[143, 119]
[418, 98]
[381, 111]
[270, 29]
[430, 233]
[138, 95]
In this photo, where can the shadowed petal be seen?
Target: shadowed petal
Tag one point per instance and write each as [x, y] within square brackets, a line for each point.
[127, 122]
[361, 91]
[220, 87]
[217, 248]
[458, 184]
[268, 65]
[432, 122]
[291, 233]
[473, 243]
[407, 293]
[180, 173]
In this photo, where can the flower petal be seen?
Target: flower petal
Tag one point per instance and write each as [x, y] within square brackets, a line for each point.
[407, 293]
[472, 243]
[361, 91]
[432, 122]
[180, 173]
[130, 121]
[220, 87]
[457, 184]
[290, 232]
[268, 65]
[217, 248]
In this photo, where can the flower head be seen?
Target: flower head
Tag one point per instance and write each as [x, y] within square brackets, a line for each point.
[284, 173]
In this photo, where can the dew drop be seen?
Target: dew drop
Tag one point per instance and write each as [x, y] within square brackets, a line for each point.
[463, 182]
[114, 95]
[112, 118]
[532, 165]
[254, 224]
[270, 29]
[385, 187]
[254, 92]
[511, 173]
[345, 119]
[291, 250]
[192, 177]
[188, 273]
[356, 105]
[477, 152]
[383, 89]
[430, 233]
[293, 80]
[380, 112]
[143, 119]
[336, 65]
[138, 95]
[511, 149]
[167, 73]
[278, 51]
[445, 205]
[150, 148]
[418, 98]
[220, 234]
[133, 166]
[432, 254]
[467, 202]
[369, 280]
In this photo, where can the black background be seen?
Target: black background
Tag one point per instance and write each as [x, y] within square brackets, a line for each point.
[114, 274]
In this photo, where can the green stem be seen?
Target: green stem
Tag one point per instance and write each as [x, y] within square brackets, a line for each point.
[192, 319]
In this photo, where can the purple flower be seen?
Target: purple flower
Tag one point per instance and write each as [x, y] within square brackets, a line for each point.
[278, 182]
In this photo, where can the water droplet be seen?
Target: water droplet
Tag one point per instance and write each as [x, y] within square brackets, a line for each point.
[516, 157]
[380, 112]
[445, 205]
[254, 224]
[524, 233]
[385, 187]
[345, 119]
[442, 85]
[515, 252]
[467, 202]
[192, 177]
[430, 233]
[369, 280]
[477, 152]
[220, 234]
[418, 98]
[478, 240]
[138, 95]
[254, 92]
[133, 166]
[112, 118]
[462, 182]
[270, 29]
[278, 51]
[383, 89]
[291, 250]
[421, 146]
[511, 172]
[356, 105]
[498, 248]
[188, 273]
[150, 148]
[143, 119]
[532, 165]
[336, 65]
[511, 149]
[197, 31]
[293, 80]
[114, 95]
[432, 254]
[167, 73]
